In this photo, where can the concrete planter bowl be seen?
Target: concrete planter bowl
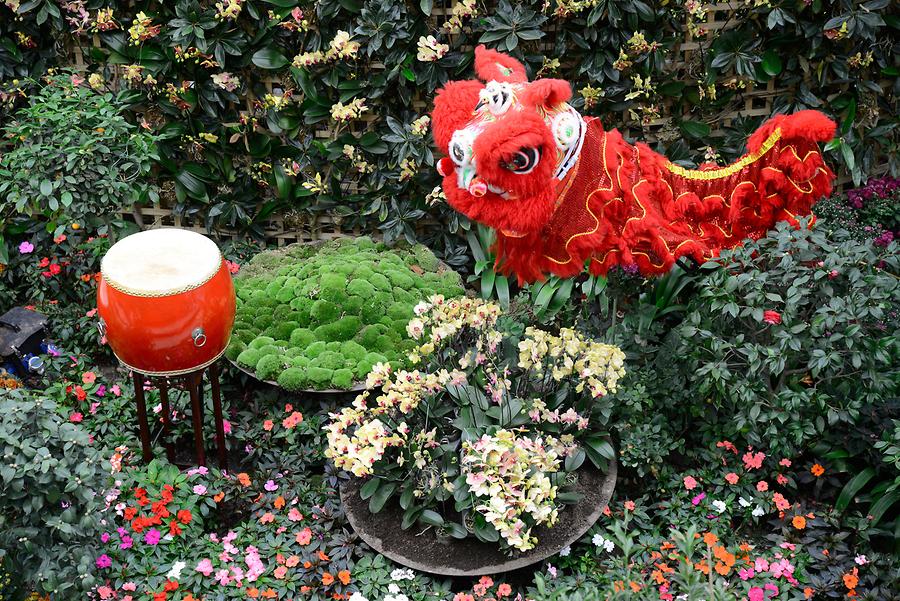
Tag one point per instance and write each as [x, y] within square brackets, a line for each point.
[446, 556]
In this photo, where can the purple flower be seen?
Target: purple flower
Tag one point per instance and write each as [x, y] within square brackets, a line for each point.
[104, 561]
[25, 248]
[152, 537]
[126, 543]
[104, 537]
[696, 500]
[271, 486]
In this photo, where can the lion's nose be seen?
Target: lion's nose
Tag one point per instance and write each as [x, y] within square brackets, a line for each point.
[477, 187]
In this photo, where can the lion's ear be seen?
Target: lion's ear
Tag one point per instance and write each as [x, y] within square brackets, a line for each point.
[491, 65]
[547, 92]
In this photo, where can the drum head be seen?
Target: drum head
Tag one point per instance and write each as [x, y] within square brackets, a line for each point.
[161, 262]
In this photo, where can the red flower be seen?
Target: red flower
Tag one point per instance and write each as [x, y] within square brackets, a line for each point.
[184, 516]
[170, 586]
[55, 268]
[129, 513]
[44, 262]
[80, 394]
[772, 317]
[174, 528]
[159, 508]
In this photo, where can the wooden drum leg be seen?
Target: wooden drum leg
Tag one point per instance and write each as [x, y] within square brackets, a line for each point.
[194, 383]
[217, 414]
[166, 419]
[142, 416]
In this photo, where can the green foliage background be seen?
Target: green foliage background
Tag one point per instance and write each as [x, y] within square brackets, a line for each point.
[836, 56]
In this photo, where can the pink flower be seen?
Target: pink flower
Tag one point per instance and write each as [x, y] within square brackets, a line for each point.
[780, 502]
[152, 537]
[504, 590]
[761, 564]
[129, 586]
[227, 426]
[104, 561]
[771, 588]
[294, 515]
[205, 567]
[696, 500]
[105, 592]
[861, 560]
[762, 486]
[746, 573]
[785, 462]
[88, 377]
[690, 483]
[772, 317]
[753, 460]
[280, 572]
[629, 505]
[781, 479]
[233, 267]
[76, 418]
[731, 478]
[222, 577]
[304, 536]
[756, 594]
[199, 489]
[270, 486]
[116, 390]
[26, 247]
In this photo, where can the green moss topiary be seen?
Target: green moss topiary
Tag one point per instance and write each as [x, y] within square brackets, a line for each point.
[302, 338]
[269, 367]
[342, 378]
[235, 348]
[248, 358]
[261, 341]
[324, 309]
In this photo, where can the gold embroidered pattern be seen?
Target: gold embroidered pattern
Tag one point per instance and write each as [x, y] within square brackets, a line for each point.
[747, 159]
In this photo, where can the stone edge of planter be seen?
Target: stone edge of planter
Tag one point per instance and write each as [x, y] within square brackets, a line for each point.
[357, 513]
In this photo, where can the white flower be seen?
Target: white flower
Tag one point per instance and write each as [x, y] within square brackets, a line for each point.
[393, 588]
[743, 502]
[600, 542]
[357, 597]
[759, 511]
[861, 560]
[175, 572]
[719, 506]
[396, 598]
[401, 574]
[565, 551]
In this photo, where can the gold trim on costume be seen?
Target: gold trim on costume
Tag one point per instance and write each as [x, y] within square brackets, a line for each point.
[730, 169]
[160, 293]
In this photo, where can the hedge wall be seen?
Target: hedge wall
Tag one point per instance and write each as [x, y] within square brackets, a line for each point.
[277, 107]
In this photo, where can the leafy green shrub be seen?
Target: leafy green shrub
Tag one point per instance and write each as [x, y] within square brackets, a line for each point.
[792, 335]
[51, 492]
[74, 158]
[334, 307]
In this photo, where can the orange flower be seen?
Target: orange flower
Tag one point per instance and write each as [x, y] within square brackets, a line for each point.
[799, 522]
[710, 539]
[279, 502]
[253, 592]
[808, 592]
[323, 557]
[244, 479]
[270, 593]
[327, 579]
[634, 586]
[851, 579]
[344, 576]
[817, 470]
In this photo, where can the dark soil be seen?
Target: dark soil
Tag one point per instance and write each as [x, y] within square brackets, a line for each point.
[421, 549]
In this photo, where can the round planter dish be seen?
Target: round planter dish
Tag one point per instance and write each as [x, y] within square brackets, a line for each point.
[446, 556]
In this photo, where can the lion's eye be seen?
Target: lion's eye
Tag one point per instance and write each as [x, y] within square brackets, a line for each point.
[523, 161]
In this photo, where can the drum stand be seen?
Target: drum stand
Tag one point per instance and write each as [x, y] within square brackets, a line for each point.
[193, 383]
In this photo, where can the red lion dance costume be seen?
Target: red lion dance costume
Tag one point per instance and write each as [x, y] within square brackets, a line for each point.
[562, 192]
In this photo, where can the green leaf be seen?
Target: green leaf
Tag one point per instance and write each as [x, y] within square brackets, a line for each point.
[376, 503]
[695, 129]
[269, 58]
[369, 488]
[852, 488]
[46, 187]
[427, 6]
[432, 518]
[879, 508]
[771, 63]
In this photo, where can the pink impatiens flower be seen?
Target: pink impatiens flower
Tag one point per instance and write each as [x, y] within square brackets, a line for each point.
[696, 500]
[205, 567]
[152, 537]
[753, 461]
[731, 478]
[762, 486]
[690, 483]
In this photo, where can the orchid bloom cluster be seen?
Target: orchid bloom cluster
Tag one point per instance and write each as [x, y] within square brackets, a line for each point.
[508, 474]
[341, 112]
[358, 437]
[597, 366]
[340, 47]
[440, 320]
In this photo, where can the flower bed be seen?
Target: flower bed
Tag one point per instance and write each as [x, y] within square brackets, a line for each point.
[488, 439]
[321, 317]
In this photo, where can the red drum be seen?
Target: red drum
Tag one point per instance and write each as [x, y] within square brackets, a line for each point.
[166, 301]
